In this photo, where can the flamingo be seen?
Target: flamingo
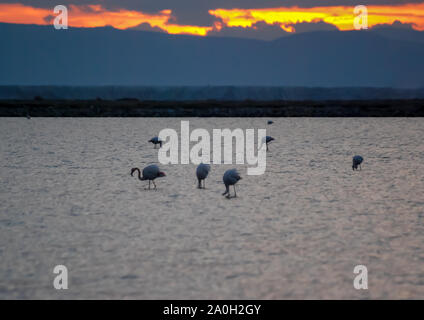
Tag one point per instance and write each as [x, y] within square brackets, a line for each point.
[267, 140]
[149, 173]
[202, 172]
[230, 178]
[356, 161]
[155, 141]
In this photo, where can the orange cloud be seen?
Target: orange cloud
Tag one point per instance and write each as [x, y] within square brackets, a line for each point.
[18, 13]
[340, 16]
[91, 16]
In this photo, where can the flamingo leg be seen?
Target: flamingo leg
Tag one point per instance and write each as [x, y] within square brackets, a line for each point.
[235, 194]
[227, 191]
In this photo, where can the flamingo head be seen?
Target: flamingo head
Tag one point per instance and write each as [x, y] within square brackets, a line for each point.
[132, 171]
[161, 174]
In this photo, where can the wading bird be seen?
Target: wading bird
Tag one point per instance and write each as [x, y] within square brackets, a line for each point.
[357, 160]
[155, 141]
[149, 173]
[202, 172]
[231, 177]
[268, 139]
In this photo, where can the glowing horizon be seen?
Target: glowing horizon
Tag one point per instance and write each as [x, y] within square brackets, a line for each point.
[339, 16]
[90, 16]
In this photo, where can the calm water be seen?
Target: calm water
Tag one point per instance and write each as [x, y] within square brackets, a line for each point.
[295, 232]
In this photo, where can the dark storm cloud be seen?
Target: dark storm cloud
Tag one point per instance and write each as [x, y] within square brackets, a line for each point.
[264, 31]
[146, 27]
[49, 18]
[259, 30]
[318, 26]
[396, 24]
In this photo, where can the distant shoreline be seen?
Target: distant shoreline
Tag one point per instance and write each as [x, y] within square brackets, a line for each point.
[211, 108]
[207, 93]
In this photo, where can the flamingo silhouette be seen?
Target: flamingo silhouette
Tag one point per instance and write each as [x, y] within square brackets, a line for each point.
[149, 173]
[155, 141]
[356, 161]
[202, 172]
[230, 178]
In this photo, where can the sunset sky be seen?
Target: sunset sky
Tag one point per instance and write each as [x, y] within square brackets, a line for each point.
[216, 17]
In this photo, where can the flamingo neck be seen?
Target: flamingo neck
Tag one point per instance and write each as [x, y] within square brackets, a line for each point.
[139, 174]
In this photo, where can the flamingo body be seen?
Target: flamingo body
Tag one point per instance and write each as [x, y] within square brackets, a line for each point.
[202, 172]
[156, 141]
[230, 178]
[268, 139]
[150, 173]
[356, 161]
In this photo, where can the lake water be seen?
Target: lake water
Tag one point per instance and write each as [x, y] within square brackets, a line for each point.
[297, 231]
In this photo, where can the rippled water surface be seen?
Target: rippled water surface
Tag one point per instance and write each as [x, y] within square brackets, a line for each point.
[297, 231]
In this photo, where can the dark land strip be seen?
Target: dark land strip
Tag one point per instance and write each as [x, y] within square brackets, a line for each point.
[211, 108]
